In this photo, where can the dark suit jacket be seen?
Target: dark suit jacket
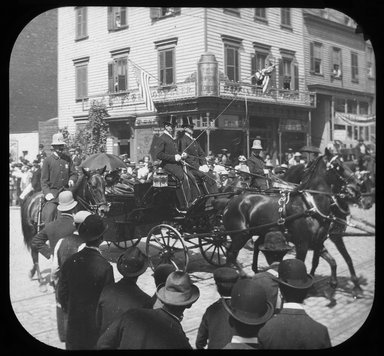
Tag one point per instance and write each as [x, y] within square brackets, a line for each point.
[214, 327]
[271, 287]
[69, 246]
[83, 277]
[293, 329]
[144, 329]
[256, 166]
[53, 232]
[166, 151]
[115, 299]
[196, 155]
[241, 346]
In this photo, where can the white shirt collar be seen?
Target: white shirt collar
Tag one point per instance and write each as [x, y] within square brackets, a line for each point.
[93, 248]
[167, 133]
[273, 272]
[244, 340]
[292, 305]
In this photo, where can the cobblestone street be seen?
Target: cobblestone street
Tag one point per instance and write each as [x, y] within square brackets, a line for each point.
[340, 312]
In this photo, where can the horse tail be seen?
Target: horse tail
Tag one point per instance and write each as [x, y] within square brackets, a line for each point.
[28, 211]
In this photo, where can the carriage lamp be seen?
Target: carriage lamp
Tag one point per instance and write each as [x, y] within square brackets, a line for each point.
[160, 178]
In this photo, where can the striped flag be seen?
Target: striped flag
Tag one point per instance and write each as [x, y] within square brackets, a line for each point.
[142, 78]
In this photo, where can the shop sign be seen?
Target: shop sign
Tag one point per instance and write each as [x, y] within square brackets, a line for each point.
[292, 125]
[208, 75]
[145, 121]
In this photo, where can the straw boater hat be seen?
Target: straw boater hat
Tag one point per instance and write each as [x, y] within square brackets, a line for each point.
[249, 303]
[293, 274]
[178, 290]
[66, 201]
[274, 241]
[92, 228]
[132, 263]
[256, 145]
[58, 140]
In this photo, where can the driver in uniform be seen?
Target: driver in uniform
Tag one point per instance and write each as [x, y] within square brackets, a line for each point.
[57, 173]
[256, 166]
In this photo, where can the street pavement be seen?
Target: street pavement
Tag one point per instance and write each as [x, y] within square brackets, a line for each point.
[338, 310]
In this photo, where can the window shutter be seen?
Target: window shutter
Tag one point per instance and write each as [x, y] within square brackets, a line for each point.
[155, 12]
[281, 74]
[311, 56]
[77, 82]
[123, 16]
[110, 17]
[111, 76]
[253, 68]
[296, 74]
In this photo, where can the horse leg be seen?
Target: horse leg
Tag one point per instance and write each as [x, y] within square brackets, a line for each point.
[332, 263]
[256, 254]
[238, 241]
[315, 260]
[36, 267]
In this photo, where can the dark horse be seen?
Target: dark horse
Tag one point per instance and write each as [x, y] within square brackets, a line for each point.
[303, 213]
[88, 191]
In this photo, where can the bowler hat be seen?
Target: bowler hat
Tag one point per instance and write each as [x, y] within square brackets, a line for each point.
[161, 273]
[256, 145]
[132, 262]
[178, 290]
[274, 241]
[225, 276]
[187, 122]
[249, 303]
[58, 140]
[293, 273]
[80, 216]
[92, 228]
[170, 120]
[66, 201]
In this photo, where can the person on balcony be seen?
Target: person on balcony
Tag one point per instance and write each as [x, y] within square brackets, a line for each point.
[263, 76]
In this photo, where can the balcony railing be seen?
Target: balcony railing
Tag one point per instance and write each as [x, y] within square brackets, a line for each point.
[228, 90]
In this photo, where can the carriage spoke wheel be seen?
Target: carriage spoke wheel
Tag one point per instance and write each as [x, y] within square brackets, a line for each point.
[123, 245]
[165, 245]
[214, 249]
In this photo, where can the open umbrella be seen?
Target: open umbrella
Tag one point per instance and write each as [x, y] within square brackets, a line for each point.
[99, 160]
[310, 149]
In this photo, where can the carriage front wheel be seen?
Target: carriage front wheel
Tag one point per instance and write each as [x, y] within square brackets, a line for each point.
[214, 248]
[165, 245]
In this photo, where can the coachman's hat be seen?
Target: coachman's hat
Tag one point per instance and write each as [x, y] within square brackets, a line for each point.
[58, 140]
[256, 145]
[187, 122]
[92, 228]
[132, 262]
[274, 241]
[293, 273]
[66, 201]
[170, 120]
[249, 303]
[178, 290]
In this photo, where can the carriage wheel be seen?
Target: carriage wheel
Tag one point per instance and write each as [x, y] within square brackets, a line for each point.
[214, 249]
[123, 245]
[165, 245]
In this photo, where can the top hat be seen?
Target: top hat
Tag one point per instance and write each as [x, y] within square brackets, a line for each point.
[178, 290]
[242, 158]
[80, 216]
[132, 262]
[249, 303]
[162, 271]
[226, 276]
[92, 228]
[293, 273]
[58, 140]
[170, 120]
[274, 241]
[66, 201]
[256, 145]
[187, 122]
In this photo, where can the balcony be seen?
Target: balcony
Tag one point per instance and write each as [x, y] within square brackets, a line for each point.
[188, 90]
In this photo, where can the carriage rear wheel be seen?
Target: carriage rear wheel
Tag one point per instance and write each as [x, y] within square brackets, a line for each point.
[165, 245]
[214, 248]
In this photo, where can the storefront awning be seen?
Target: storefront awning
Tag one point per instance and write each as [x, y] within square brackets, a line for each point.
[356, 120]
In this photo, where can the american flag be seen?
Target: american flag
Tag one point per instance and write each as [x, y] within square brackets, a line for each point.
[142, 78]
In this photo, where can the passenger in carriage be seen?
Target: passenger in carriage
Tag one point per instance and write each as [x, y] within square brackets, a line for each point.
[167, 152]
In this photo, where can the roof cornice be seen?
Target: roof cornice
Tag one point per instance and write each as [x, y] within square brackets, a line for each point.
[327, 23]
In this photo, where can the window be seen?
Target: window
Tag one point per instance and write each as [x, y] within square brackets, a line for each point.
[354, 67]
[81, 23]
[363, 108]
[232, 11]
[316, 55]
[81, 79]
[231, 62]
[118, 75]
[336, 63]
[162, 12]
[117, 18]
[286, 17]
[339, 105]
[370, 60]
[351, 106]
[261, 13]
[288, 71]
[167, 66]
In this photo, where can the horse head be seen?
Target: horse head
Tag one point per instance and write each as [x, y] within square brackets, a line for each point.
[367, 189]
[94, 190]
[341, 177]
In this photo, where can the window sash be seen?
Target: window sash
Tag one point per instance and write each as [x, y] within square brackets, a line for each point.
[232, 63]
[286, 16]
[81, 22]
[316, 54]
[166, 66]
[117, 17]
[354, 66]
[261, 12]
[81, 81]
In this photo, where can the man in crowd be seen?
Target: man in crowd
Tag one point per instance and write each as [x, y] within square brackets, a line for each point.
[57, 173]
[256, 166]
[160, 275]
[83, 277]
[117, 298]
[296, 159]
[167, 152]
[249, 310]
[293, 328]
[361, 151]
[42, 155]
[274, 249]
[155, 328]
[214, 328]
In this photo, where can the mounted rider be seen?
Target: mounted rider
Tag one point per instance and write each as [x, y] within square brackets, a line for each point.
[57, 173]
